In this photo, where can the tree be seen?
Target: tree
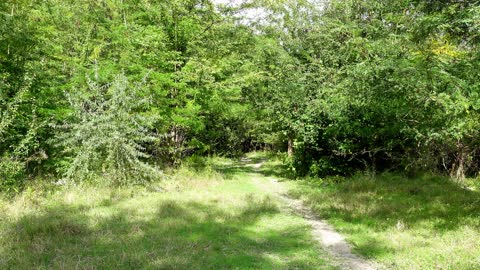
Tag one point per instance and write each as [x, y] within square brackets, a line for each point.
[107, 132]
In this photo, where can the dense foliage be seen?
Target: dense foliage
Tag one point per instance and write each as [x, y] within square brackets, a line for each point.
[381, 85]
[345, 85]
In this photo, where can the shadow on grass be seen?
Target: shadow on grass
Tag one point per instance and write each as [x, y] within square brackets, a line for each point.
[429, 205]
[176, 235]
[249, 165]
[386, 201]
[277, 170]
[424, 213]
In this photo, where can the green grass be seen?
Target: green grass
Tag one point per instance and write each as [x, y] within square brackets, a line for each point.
[211, 215]
[213, 219]
[423, 223]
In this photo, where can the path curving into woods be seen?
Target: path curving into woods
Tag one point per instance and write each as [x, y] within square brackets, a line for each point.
[331, 241]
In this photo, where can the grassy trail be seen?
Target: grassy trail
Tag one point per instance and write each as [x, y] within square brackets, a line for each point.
[428, 222]
[228, 214]
[224, 220]
[334, 243]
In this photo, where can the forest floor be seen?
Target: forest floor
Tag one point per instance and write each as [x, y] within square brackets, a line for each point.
[331, 241]
[244, 214]
[425, 222]
[222, 217]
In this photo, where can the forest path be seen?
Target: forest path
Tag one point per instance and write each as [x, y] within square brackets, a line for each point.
[332, 242]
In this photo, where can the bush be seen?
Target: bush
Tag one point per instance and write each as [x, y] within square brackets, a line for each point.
[109, 133]
[12, 175]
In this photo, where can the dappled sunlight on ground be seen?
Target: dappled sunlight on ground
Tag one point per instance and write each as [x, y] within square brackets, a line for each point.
[229, 225]
[422, 223]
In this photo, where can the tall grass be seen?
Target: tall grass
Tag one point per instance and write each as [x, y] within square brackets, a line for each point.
[427, 222]
[196, 218]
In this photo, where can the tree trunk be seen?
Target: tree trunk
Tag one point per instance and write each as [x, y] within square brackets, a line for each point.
[459, 165]
[290, 147]
[458, 169]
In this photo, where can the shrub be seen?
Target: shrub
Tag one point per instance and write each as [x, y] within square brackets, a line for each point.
[107, 138]
[12, 175]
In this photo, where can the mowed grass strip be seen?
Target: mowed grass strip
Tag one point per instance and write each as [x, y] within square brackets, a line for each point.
[189, 222]
[424, 223]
